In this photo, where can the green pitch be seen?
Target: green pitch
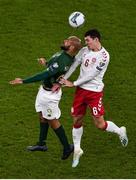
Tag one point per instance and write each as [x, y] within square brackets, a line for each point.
[33, 28]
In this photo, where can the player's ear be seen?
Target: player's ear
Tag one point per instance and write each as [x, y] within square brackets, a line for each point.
[96, 39]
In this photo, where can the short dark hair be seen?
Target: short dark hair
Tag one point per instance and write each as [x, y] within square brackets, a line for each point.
[93, 33]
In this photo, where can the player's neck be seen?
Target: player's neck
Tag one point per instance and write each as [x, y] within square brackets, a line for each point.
[70, 53]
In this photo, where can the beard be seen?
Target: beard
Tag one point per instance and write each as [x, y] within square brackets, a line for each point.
[65, 48]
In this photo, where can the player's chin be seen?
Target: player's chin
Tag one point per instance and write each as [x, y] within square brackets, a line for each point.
[89, 47]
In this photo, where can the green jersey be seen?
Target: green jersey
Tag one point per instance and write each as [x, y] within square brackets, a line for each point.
[57, 66]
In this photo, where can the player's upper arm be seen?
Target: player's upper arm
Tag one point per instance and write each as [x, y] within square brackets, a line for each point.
[79, 55]
[71, 69]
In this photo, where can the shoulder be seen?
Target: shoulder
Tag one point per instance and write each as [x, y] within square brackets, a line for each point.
[83, 51]
[65, 57]
[54, 58]
[58, 57]
[105, 54]
[57, 54]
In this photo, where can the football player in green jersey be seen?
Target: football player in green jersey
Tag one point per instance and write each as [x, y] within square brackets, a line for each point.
[47, 102]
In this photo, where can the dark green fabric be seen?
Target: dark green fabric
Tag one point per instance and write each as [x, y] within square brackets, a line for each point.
[37, 77]
[60, 132]
[57, 66]
[43, 133]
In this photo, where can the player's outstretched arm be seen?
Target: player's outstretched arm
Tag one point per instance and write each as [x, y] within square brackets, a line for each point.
[16, 81]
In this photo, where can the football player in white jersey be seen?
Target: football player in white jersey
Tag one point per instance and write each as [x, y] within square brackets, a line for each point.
[94, 60]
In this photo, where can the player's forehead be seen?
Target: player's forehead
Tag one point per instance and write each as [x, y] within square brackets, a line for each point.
[87, 38]
[69, 41]
[74, 38]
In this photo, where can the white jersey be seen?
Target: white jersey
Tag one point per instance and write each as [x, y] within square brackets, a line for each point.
[93, 67]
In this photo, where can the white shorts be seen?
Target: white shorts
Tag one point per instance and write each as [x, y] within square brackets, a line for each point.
[48, 103]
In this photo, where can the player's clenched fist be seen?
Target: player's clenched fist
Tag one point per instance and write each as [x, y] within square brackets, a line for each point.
[65, 82]
[42, 61]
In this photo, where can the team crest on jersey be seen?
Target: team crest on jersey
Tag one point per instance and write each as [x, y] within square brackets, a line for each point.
[93, 60]
[49, 112]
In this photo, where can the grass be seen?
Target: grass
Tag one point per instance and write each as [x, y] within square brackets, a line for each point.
[33, 28]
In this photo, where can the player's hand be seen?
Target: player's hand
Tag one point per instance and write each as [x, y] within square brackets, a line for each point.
[42, 61]
[59, 78]
[16, 81]
[67, 83]
[56, 87]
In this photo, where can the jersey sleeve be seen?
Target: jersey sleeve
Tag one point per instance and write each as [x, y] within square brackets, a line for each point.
[71, 69]
[96, 69]
[77, 61]
[49, 72]
[37, 77]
